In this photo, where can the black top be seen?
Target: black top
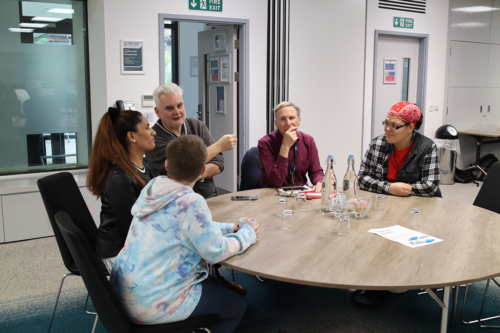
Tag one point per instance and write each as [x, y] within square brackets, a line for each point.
[118, 196]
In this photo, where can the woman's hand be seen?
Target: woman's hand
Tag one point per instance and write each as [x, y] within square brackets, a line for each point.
[400, 189]
[318, 187]
[255, 229]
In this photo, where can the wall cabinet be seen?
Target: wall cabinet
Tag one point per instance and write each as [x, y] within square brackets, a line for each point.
[469, 65]
[473, 105]
[475, 21]
[25, 217]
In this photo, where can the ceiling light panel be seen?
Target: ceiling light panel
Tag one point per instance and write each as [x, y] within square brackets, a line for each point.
[33, 25]
[20, 30]
[61, 11]
[47, 19]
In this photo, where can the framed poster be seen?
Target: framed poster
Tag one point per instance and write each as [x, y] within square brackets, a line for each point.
[224, 68]
[131, 56]
[193, 66]
[389, 71]
[214, 69]
[220, 41]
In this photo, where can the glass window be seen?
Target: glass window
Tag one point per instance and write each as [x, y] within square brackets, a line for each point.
[170, 48]
[44, 110]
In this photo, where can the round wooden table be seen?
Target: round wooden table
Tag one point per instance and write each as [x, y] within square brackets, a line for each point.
[313, 254]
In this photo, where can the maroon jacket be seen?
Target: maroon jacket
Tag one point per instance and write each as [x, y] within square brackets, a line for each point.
[274, 167]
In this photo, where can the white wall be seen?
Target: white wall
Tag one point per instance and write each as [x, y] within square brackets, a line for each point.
[188, 47]
[435, 24]
[326, 74]
[134, 20]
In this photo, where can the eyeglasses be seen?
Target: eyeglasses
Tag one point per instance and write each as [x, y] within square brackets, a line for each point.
[394, 127]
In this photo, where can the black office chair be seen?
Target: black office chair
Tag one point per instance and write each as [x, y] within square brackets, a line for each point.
[487, 198]
[250, 170]
[109, 308]
[61, 193]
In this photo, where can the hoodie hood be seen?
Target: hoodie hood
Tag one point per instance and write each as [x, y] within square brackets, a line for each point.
[159, 192]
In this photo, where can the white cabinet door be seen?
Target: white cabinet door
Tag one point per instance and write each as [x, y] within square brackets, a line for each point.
[495, 23]
[469, 64]
[468, 22]
[25, 217]
[494, 67]
[2, 238]
[464, 105]
[493, 105]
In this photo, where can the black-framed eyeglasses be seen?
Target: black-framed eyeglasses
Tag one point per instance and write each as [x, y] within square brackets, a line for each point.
[394, 127]
[282, 195]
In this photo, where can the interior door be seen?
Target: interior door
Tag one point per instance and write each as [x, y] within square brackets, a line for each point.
[217, 59]
[402, 52]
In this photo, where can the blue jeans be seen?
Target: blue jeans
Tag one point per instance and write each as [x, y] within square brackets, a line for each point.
[215, 299]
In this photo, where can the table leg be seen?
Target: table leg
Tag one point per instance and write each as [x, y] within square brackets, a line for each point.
[444, 315]
[455, 300]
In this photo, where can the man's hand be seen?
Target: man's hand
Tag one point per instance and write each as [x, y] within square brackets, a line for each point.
[290, 137]
[227, 142]
[317, 188]
[400, 189]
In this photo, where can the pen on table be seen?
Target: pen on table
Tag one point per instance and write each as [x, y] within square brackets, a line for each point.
[418, 237]
[422, 241]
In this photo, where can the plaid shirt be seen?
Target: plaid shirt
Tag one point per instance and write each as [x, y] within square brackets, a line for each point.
[373, 171]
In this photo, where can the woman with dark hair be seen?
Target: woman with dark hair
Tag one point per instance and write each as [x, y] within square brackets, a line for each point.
[402, 161]
[117, 174]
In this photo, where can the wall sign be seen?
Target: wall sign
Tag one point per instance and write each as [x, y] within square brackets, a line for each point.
[402, 22]
[131, 55]
[208, 5]
[389, 71]
[214, 69]
[224, 68]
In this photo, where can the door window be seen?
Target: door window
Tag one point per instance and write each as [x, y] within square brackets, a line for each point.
[171, 52]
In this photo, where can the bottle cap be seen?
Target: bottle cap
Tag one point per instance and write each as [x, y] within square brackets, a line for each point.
[351, 155]
[330, 155]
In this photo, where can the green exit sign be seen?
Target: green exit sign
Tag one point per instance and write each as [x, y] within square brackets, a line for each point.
[208, 5]
[402, 22]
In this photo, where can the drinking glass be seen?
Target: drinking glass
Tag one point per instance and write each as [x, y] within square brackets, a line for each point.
[287, 219]
[361, 207]
[300, 201]
[339, 205]
[415, 218]
[344, 224]
[281, 205]
[380, 202]
[243, 220]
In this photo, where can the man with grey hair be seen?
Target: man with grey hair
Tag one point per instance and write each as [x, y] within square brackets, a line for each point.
[287, 155]
[172, 123]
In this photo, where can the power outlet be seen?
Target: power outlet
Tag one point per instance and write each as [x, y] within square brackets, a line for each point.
[433, 108]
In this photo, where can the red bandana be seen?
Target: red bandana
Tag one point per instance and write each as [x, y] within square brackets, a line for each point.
[406, 111]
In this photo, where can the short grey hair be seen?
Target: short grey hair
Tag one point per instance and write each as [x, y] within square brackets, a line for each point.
[168, 88]
[284, 104]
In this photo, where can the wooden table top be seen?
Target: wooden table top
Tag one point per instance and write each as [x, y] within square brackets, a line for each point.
[495, 134]
[313, 254]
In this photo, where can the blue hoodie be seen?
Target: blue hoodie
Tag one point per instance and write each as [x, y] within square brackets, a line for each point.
[158, 272]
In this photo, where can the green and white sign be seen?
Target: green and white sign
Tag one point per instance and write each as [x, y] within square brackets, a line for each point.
[402, 22]
[208, 5]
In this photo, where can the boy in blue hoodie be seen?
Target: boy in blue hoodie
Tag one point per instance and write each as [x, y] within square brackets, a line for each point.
[161, 274]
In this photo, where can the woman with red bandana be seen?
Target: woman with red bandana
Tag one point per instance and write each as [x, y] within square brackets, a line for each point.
[402, 161]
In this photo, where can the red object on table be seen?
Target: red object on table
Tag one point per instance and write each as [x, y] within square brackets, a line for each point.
[312, 194]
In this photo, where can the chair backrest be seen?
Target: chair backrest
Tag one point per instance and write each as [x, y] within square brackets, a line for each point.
[61, 193]
[250, 170]
[109, 308]
[487, 197]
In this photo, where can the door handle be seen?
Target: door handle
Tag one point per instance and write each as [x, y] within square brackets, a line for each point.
[481, 109]
[489, 106]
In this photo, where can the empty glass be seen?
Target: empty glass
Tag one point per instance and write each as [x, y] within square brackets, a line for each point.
[281, 205]
[339, 204]
[415, 218]
[287, 219]
[344, 224]
[380, 202]
[300, 201]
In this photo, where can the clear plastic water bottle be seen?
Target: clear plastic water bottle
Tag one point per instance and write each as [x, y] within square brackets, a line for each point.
[329, 185]
[350, 184]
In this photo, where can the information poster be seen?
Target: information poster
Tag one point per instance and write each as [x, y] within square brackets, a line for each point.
[131, 57]
[214, 69]
[224, 68]
[389, 71]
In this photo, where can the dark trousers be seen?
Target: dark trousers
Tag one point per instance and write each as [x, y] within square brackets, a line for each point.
[215, 299]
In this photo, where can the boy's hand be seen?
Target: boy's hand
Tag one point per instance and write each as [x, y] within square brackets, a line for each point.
[256, 229]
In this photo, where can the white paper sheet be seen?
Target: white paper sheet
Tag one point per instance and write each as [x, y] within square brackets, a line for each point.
[402, 235]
